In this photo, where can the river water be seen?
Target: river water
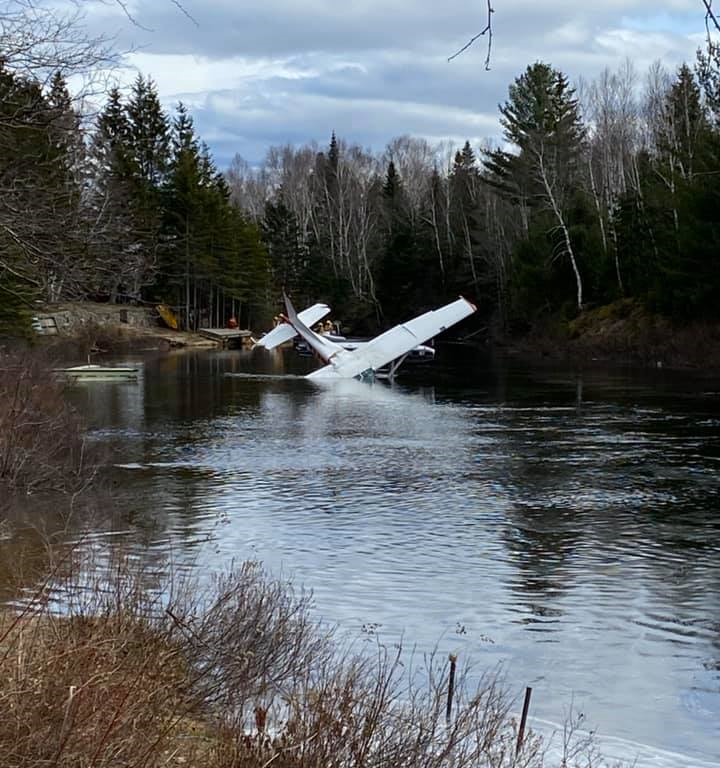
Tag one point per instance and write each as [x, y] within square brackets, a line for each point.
[565, 525]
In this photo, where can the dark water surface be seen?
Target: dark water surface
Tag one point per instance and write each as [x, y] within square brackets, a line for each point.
[564, 524]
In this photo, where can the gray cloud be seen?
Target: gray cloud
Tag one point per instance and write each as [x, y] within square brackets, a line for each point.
[262, 73]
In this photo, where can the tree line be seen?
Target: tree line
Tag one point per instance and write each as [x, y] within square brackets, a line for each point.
[601, 191]
[128, 208]
[606, 190]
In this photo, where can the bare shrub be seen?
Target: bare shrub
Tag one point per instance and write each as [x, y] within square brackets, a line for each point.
[42, 440]
[363, 710]
[132, 672]
[248, 636]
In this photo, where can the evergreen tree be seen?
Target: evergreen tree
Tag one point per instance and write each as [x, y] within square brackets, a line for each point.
[213, 262]
[679, 262]
[149, 139]
[684, 127]
[117, 232]
[542, 120]
[464, 184]
[147, 156]
[333, 155]
[71, 271]
[41, 248]
[185, 259]
[707, 69]
[288, 254]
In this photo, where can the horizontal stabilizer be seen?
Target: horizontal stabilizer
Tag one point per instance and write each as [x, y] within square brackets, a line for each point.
[284, 332]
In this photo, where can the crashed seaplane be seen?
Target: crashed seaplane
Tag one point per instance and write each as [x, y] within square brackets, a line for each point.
[388, 349]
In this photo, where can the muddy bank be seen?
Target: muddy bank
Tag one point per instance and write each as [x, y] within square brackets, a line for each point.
[624, 333]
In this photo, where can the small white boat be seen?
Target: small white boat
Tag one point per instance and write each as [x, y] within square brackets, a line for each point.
[98, 372]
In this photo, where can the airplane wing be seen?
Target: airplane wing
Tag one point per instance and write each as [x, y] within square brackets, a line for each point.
[284, 332]
[394, 343]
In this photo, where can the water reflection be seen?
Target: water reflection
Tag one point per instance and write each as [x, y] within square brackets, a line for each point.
[571, 519]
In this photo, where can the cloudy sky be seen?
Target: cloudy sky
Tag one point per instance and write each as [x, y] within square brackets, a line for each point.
[257, 73]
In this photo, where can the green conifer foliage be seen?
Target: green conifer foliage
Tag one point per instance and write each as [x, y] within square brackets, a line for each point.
[148, 153]
[541, 119]
[41, 238]
[213, 263]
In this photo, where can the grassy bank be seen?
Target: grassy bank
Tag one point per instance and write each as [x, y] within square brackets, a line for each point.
[235, 676]
[624, 332]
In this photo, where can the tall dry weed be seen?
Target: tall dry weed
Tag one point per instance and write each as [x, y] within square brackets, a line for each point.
[113, 667]
[42, 440]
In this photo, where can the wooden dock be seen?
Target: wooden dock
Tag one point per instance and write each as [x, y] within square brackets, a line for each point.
[227, 337]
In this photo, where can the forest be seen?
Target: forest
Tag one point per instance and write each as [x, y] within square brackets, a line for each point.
[595, 192]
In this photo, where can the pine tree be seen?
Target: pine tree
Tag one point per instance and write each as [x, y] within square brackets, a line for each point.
[464, 220]
[214, 263]
[707, 69]
[288, 254]
[116, 231]
[685, 125]
[541, 118]
[149, 140]
[333, 156]
[184, 259]
[148, 156]
[41, 249]
[71, 272]
[686, 204]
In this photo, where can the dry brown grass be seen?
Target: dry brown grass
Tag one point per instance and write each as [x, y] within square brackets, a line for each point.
[118, 670]
[126, 675]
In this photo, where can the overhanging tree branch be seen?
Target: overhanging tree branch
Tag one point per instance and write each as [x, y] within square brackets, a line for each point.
[177, 3]
[710, 20]
[488, 30]
[710, 16]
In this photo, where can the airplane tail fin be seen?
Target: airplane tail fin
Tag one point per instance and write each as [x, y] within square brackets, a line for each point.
[324, 347]
[291, 313]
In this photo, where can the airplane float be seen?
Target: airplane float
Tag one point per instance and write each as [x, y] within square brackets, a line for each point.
[364, 360]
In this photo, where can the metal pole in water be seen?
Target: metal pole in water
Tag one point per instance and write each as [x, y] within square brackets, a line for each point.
[451, 686]
[523, 719]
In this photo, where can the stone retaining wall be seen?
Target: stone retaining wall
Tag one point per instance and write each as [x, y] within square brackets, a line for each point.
[71, 318]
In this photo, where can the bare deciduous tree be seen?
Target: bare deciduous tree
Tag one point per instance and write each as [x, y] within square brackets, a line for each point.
[39, 39]
[611, 115]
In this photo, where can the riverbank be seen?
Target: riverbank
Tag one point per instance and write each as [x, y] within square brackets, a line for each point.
[111, 328]
[238, 674]
[625, 333]
[621, 333]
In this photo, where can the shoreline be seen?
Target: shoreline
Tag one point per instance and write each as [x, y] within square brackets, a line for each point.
[619, 334]
[111, 328]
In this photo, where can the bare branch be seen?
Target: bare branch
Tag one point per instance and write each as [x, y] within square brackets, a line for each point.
[710, 16]
[185, 12]
[124, 6]
[131, 18]
[488, 30]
